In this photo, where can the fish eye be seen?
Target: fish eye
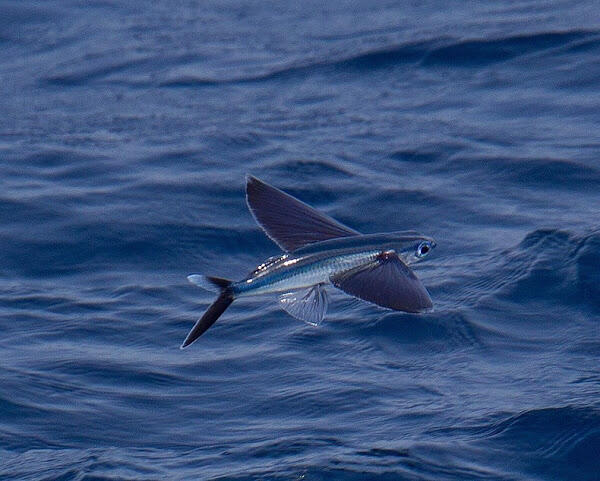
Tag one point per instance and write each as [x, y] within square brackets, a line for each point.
[423, 249]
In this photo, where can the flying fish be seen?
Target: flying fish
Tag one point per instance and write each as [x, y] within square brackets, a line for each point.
[318, 252]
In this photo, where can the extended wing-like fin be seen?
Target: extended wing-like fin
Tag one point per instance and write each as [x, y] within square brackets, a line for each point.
[308, 305]
[289, 222]
[387, 282]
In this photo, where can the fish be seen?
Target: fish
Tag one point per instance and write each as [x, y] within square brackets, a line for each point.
[319, 251]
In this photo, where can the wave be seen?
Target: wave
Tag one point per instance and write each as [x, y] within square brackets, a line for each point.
[430, 332]
[532, 172]
[557, 433]
[558, 441]
[479, 53]
[548, 264]
[430, 53]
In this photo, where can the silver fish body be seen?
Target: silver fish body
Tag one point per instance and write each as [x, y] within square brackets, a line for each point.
[296, 272]
[320, 261]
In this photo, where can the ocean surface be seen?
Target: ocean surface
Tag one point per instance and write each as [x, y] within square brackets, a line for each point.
[126, 131]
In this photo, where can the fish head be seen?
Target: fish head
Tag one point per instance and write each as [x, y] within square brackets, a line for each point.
[411, 246]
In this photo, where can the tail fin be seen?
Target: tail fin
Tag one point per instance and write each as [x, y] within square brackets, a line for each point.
[209, 283]
[212, 313]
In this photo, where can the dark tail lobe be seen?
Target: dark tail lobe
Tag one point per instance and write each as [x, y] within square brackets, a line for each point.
[212, 313]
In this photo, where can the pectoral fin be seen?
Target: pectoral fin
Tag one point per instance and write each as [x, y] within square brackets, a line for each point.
[289, 222]
[387, 282]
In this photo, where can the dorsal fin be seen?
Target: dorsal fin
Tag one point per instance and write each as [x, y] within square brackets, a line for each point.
[289, 222]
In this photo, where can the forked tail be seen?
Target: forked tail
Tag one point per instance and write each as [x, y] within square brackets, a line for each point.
[213, 312]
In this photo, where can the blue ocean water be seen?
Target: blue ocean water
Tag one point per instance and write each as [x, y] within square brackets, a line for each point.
[126, 131]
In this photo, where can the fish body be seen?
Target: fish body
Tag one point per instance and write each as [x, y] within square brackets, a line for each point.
[319, 251]
[320, 261]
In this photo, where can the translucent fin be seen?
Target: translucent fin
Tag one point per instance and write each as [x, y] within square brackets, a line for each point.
[209, 283]
[289, 222]
[308, 305]
[387, 282]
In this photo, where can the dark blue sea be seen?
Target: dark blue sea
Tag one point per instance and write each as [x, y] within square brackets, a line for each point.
[126, 132]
